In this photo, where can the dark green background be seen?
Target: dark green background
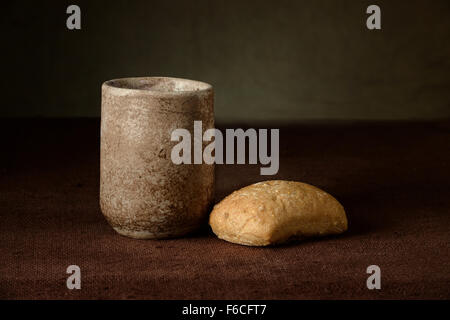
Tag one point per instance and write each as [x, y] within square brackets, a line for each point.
[267, 60]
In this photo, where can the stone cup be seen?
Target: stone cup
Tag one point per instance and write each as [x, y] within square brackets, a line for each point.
[143, 194]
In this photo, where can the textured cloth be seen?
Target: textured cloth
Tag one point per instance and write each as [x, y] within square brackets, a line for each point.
[392, 178]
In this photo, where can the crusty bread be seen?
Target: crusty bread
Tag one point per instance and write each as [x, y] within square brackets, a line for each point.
[276, 211]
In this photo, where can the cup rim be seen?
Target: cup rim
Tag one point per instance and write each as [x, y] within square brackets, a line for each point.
[131, 85]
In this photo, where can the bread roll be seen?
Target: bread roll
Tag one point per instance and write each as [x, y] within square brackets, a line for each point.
[273, 212]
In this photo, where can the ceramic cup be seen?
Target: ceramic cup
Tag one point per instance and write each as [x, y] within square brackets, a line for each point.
[143, 194]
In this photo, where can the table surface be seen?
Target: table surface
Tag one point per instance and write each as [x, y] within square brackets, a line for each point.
[393, 179]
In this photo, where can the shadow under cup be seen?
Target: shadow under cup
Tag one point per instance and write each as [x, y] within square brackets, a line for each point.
[143, 194]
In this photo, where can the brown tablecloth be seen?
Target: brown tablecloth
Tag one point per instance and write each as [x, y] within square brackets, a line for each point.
[392, 178]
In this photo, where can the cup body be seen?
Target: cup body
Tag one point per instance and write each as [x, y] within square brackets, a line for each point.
[143, 194]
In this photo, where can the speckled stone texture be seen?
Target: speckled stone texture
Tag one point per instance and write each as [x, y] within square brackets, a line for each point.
[393, 178]
[142, 193]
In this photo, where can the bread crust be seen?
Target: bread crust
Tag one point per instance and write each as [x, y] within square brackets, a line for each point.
[276, 211]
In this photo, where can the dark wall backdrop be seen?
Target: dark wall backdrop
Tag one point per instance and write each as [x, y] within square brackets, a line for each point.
[268, 60]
